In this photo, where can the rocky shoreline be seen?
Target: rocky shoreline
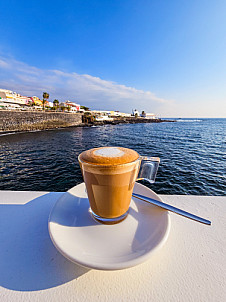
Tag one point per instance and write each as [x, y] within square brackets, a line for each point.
[126, 120]
[17, 121]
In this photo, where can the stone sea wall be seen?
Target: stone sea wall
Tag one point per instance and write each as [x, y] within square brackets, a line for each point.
[28, 120]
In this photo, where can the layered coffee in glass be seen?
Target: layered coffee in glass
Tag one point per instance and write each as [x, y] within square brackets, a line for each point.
[109, 174]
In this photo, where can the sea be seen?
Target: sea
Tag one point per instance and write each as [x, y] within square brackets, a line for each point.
[192, 154]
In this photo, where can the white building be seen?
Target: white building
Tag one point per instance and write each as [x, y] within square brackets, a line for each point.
[148, 115]
[12, 99]
[51, 104]
[101, 112]
[122, 114]
[104, 118]
[10, 106]
[73, 106]
[135, 112]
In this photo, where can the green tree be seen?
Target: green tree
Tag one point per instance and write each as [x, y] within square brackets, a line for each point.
[85, 108]
[87, 118]
[56, 103]
[45, 97]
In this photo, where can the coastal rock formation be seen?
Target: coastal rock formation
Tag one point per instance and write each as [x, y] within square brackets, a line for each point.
[30, 120]
[126, 120]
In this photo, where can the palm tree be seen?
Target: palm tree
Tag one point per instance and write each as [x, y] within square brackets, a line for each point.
[62, 108]
[56, 103]
[45, 97]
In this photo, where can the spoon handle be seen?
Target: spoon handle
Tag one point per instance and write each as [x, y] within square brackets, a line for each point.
[171, 208]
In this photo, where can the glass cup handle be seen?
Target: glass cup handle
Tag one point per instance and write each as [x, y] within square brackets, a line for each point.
[148, 168]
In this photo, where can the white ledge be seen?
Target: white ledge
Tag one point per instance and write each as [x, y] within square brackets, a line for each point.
[190, 267]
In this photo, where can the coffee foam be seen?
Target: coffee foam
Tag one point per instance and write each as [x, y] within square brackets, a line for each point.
[109, 152]
[109, 156]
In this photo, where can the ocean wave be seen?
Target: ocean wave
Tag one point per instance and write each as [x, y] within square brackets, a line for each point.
[181, 120]
[8, 133]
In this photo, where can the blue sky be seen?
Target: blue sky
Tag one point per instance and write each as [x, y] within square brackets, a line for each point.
[166, 57]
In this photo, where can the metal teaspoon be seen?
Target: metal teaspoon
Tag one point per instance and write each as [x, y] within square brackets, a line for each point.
[172, 209]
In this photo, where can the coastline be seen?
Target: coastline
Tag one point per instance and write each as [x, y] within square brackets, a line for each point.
[29, 121]
[127, 120]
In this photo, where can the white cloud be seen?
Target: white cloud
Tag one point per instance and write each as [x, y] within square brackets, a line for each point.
[85, 89]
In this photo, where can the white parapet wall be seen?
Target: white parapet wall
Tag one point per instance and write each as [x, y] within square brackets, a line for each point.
[189, 267]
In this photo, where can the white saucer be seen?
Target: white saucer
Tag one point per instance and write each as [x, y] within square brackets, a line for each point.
[86, 242]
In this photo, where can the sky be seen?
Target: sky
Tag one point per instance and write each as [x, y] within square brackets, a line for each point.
[165, 57]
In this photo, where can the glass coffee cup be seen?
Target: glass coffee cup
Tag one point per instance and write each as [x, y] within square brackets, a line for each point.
[109, 174]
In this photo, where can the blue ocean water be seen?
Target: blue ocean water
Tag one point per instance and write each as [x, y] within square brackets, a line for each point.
[192, 153]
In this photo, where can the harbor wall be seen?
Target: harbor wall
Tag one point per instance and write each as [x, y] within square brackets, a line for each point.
[28, 120]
